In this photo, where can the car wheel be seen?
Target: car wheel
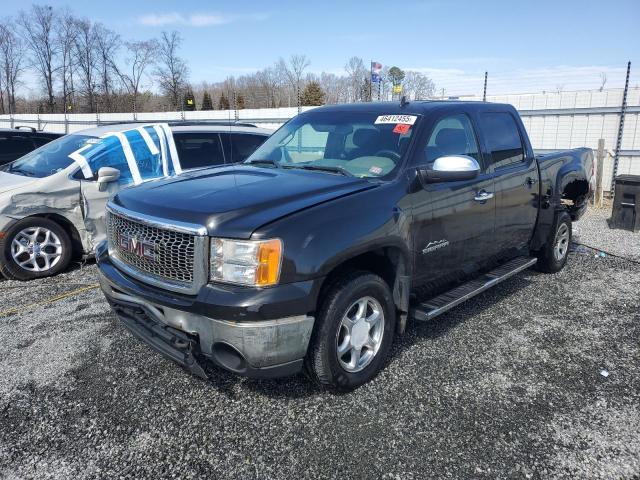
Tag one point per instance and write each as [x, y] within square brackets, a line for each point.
[553, 257]
[34, 248]
[353, 332]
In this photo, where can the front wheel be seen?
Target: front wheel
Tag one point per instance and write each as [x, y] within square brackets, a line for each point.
[553, 257]
[353, 333]
[34, 248]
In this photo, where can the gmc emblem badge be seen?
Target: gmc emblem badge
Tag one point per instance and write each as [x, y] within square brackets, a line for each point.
[137, 247]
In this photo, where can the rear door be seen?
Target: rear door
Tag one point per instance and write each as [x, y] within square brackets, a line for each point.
[454, 227]
[517, 186]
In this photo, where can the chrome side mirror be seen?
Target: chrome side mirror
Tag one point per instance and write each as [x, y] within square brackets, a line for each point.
[450, 168]
[107, 175]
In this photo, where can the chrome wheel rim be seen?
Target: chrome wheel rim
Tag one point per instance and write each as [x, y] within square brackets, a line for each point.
[36, 249]
[360, 334]
[561, 245]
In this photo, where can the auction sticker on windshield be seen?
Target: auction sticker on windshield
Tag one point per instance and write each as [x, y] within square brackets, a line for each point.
[395, 119]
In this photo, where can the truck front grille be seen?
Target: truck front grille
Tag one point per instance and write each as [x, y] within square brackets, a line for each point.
[161, 253]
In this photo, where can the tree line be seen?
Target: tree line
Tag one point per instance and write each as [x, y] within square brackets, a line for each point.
[84, 67]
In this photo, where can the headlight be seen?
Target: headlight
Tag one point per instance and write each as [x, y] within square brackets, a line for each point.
[246, 262]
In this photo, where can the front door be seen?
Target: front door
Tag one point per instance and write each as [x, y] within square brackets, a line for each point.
[454, 221]
[94, 204]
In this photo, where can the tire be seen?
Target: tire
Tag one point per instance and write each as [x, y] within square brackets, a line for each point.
[367, 344]
[553, 257]
[46, 249]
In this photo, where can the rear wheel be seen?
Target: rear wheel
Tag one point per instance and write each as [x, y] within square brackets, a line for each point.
[34, 248]
[353, 333]
[553, 257]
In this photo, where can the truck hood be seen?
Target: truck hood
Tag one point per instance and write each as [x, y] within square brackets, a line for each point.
[9, 181]
[234, 201]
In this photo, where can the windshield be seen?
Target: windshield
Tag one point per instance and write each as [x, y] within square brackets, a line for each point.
[50, 158]
[361, 144]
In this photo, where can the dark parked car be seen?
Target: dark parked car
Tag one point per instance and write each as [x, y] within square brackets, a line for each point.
[345, 223]
[16, 142]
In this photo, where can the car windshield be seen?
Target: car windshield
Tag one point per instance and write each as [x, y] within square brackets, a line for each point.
[50, 158]
[360, 144]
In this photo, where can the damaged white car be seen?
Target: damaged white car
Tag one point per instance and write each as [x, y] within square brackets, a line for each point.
[52, 200]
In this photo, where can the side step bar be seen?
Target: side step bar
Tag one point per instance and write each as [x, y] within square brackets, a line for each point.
[438, 305]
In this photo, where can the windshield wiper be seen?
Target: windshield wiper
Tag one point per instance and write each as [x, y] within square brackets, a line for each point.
[266, 160]
[17, 171]
[323, 168]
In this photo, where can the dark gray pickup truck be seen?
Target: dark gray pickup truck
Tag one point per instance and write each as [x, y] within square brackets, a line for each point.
[344, 224]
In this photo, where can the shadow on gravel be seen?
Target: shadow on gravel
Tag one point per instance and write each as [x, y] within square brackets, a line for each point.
[441, 325]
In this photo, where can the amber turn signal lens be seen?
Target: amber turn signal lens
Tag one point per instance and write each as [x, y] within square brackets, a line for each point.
[269, 260]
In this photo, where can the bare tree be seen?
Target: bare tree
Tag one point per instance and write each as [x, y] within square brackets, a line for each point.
[140, 57]
[107, 46]
[66, 33]
[603, 81]
[38, 27]
[293, 72]
[417, 86]
[171, 72]
[11, 62]
[86, 53]
[357, 74]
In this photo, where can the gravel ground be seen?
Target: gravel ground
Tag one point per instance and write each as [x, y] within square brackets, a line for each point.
[593, 230]
[536, 378]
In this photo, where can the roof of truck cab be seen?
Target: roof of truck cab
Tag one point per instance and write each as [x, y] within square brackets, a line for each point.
[417, 107]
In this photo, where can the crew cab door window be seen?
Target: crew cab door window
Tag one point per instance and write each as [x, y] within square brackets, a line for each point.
[453, 135]
[197, 150]
[239, 146]
[503, 139]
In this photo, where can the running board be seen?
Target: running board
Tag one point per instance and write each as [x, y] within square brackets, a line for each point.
[438, 305]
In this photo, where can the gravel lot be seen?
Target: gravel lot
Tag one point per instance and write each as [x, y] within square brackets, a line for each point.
[538, 377]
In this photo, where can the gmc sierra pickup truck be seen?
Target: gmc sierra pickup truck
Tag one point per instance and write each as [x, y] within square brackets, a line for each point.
[346, 223]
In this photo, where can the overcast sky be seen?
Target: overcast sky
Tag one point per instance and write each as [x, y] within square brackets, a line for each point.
[525, 45]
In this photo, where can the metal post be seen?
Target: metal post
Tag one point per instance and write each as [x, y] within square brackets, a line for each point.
[623, 111]
[484, 94]
[599, 173]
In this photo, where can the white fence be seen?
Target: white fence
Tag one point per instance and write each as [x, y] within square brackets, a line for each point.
[554, 121]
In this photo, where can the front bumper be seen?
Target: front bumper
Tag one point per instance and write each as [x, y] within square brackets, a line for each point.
[257, 348]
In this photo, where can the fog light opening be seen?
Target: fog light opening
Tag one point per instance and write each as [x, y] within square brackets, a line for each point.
[229, 357]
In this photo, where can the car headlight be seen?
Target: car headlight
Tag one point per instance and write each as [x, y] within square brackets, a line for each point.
[246, 262]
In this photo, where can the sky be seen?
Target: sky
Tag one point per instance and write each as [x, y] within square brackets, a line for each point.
[524, 45]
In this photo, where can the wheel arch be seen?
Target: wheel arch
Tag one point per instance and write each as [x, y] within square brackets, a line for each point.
[390, 262]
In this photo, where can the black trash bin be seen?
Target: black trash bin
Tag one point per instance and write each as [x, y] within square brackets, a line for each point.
[626, 203]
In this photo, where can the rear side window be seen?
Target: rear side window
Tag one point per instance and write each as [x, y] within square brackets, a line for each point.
[15, 146]
[453, 135]
[503, 139]
[39, 141]
[197, 150]
[243, 145]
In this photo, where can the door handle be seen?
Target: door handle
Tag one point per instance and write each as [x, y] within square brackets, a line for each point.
[531, 181]
[483, 196]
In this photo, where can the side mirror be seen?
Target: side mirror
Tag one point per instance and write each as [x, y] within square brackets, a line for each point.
[107, 175]
[450, 168]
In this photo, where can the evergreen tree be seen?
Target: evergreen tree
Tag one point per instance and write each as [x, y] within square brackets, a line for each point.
[207, 104]
[240, 102]
[223, 103]
[313, 95]
[189, 100]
